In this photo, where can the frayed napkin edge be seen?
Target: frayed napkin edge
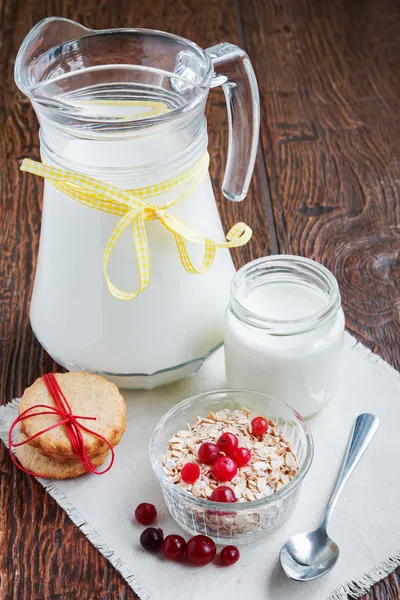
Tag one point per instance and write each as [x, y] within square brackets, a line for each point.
[362, 585]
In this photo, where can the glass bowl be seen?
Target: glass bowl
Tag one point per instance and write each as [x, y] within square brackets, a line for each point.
[241, 522]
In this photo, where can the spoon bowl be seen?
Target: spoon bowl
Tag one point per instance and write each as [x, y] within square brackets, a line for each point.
[307, 556]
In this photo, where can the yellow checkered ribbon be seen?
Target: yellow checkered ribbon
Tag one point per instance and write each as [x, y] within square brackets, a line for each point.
[134, 210]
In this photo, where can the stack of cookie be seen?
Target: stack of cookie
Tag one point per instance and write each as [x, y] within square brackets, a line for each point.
[51, 453]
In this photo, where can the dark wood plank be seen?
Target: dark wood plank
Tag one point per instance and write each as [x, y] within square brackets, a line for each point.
[330, 88]
[45, 556]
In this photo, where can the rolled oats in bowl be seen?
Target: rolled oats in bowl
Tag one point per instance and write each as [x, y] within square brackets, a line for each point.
[272, 461]
[211, 446]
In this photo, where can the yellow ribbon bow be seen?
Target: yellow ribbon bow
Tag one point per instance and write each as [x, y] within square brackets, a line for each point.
[135, 210]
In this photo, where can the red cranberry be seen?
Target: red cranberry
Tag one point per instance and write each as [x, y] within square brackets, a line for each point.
[223, 493]
[174, 547]
[227, 443]
[152, 539]
[224, 469]
[259, 426]
[190, 473]
[145, 513]
[200, 550]
[241, 456]
[229, 555]
[208, 453]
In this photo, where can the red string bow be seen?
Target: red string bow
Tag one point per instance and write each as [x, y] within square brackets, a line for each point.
[73, 428]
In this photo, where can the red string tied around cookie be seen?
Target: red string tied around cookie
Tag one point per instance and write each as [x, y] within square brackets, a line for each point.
[70, 421]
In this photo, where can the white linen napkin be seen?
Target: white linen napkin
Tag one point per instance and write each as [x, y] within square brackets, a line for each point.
[365, 524]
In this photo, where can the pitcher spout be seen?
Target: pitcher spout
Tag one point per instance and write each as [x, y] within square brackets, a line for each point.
[66, 68]
[34, 62]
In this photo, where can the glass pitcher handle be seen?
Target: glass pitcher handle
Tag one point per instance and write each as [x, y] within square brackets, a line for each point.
[234, 72]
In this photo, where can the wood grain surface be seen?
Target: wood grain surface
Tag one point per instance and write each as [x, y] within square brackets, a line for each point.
[325, 186]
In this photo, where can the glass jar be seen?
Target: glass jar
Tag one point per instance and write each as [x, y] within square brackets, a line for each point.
[284, 330]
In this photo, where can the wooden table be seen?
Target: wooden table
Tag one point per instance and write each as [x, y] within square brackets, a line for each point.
[326, 186]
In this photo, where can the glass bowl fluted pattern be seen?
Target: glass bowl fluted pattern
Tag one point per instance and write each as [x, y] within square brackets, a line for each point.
[241, 522]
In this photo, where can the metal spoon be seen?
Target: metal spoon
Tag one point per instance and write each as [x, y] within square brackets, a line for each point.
[310, 555]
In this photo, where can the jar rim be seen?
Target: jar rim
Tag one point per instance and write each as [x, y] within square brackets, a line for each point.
[307, 271]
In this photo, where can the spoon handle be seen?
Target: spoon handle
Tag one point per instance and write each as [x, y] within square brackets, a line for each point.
[363, 431]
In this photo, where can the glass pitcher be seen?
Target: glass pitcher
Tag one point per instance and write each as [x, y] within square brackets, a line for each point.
[121, 117]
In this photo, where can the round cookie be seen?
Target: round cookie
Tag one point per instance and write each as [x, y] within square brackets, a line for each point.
[31, 459]
[88, 395]
[68, 459]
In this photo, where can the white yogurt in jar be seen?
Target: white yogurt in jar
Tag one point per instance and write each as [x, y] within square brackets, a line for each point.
[284, 331]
